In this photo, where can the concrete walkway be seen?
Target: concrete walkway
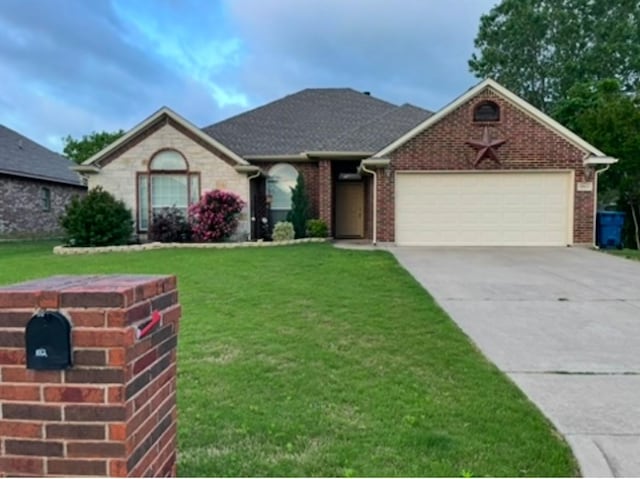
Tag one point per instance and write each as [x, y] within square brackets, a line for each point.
[564, 324]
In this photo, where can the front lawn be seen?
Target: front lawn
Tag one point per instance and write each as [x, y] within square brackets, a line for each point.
[313, 361]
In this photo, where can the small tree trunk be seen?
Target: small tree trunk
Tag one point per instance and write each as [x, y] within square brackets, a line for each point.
[635, 224]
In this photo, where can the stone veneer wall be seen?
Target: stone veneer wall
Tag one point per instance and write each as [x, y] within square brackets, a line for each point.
[118, 176]
[21, 212]
[113, 413]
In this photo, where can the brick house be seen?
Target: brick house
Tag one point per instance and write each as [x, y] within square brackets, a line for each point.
[488, 169]
[36, 184]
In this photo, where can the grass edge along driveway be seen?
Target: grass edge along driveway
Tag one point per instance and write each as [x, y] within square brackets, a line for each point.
[313, 361]
[633, 254]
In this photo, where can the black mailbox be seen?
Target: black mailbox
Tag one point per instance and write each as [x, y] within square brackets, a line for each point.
[48, 341]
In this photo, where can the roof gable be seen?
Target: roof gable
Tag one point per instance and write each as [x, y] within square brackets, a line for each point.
[511, 97]
[20, 156]
[151, 123]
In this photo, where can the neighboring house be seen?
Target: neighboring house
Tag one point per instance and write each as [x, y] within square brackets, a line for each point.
[488, 169]
[36, 184]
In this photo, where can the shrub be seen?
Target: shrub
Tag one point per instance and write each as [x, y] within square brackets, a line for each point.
[299, 208]
[215, 216]
[98, 219]
[317, 229]
[283, 231]
[170, 226]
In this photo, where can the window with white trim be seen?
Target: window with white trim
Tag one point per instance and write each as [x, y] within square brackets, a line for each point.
[167, 184]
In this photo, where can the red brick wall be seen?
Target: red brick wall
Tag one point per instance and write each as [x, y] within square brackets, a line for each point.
[325, 193]
[113, 413]
[318, 181]
[309, 171]
[530, 145]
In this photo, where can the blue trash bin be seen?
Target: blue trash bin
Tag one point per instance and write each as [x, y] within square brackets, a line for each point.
[609, 229]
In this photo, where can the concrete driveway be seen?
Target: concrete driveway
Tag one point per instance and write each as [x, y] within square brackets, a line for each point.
[564, 324]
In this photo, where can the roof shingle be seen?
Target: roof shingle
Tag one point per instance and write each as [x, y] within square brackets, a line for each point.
[381, 130]
[19, 156]
[318, 119]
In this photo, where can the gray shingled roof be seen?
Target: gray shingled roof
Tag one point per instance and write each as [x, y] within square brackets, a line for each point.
[381, 130]
[317, 120]
[19, 156]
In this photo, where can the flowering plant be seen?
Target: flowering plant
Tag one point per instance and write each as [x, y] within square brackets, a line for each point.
[215, 216]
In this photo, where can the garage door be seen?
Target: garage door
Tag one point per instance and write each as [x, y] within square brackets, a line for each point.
[492, 209]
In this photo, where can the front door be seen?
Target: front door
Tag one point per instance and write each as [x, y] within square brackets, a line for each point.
[350, 209]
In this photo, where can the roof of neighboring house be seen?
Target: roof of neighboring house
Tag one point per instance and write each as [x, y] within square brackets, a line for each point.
[19, 156]
[317, 119]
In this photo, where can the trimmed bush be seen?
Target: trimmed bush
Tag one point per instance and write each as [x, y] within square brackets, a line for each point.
[317, 229]
[170, 226]
[283, 231]
[98, 219]
[215, 216]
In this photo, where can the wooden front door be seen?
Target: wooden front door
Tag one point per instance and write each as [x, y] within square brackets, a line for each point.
[349, 209]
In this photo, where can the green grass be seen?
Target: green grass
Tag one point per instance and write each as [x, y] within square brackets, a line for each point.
[313, 361]
[626, 253]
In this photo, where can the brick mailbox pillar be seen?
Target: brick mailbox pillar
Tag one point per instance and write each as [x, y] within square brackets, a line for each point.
[113, 412]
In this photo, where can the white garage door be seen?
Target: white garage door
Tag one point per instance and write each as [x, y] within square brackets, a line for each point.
[484, 209]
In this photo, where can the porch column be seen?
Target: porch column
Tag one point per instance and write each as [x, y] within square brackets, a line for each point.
[325, 193]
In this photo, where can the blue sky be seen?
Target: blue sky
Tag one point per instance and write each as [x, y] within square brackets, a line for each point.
[76, 66]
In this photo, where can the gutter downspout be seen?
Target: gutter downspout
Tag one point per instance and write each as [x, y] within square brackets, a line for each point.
[249, 178]
[375, 201]
[595, 201]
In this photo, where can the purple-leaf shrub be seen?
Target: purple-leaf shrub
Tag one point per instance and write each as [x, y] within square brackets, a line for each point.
[215, 216]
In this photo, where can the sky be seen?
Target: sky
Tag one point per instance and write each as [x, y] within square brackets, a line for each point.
[70, 67]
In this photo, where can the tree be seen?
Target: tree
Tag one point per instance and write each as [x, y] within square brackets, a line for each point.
[540, 48]
[299, 213]
[84, 148]
[609, 118]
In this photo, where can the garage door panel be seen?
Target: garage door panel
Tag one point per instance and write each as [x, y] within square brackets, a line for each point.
[483, 208]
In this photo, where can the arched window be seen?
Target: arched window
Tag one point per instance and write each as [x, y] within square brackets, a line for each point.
[168, 160]
[167, 184]
[486, 111]
[282, 177]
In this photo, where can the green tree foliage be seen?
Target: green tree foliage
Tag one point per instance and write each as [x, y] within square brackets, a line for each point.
[609, 118]
[84, 148]
[540, 48]
[299, 213]
[98, 219]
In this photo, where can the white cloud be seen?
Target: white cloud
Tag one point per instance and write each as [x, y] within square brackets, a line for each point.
[186, 48]
[409, 50]
[108, 65]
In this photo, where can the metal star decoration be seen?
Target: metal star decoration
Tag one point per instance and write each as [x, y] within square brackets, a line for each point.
[486, 147]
